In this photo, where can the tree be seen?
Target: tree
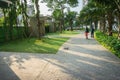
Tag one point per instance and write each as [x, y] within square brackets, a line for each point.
[110, 2]
[61, 5]
[10, 19]
[98, 10]
[40, 34]
[111, 6]
[38, 18]
[70, 17]
[57, 4]
[57, 16]
[92, 13]
[23, 11]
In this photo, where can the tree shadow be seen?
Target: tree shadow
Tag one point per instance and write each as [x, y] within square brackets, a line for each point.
[78, 64]
[86, 67]
[6, 73]
[84, 60]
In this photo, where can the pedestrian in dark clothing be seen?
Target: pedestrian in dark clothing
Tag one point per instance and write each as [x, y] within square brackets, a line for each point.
[86, 32]
[92, 32]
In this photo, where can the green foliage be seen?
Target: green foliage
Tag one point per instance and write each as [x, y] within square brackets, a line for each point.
[91, 12]
[72, 3]
[57, 14]
[112, 43]
[34, 45]
[17, 33]
[47, 26]
[1, 21]
[2, 35]
[70, 17]
[63, 34]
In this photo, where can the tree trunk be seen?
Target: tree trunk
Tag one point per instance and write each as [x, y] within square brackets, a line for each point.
[43, 28]
[71, 24]
[100, 27]
[25, 18]
[104, 23]
[54, 26]
[5, 25]
[118, 4]
[63, 20]
[110, 20]
[60, 26]
[38, 19]
[11, 22]
[119, 26]
[96, 24]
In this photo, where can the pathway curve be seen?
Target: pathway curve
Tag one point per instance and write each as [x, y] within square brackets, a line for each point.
[77, 59]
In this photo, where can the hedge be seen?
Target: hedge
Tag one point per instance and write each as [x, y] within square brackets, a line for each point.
[110, 42]
[17, 33]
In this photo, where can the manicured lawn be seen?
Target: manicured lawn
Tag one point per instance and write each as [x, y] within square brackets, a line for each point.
[63, 34]
[49, 44]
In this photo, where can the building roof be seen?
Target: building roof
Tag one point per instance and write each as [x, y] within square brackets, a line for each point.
[5, 3]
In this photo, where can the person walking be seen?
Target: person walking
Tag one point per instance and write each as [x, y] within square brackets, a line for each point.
[86, 32]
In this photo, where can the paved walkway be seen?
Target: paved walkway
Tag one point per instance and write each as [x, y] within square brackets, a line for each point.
[77, 59]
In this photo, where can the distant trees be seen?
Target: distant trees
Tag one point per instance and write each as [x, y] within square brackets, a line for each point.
[101, 11]
[10, 19]
[58, 6]
[70, 18]
[10, 16]
[20, 7]
[57, 16]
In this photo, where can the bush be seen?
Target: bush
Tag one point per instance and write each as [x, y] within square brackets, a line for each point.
[110, 42]
[17, 33]
[47, 26]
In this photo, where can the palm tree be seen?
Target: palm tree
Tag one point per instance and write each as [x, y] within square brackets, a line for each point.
[111, 6]
[57, 16]
[97, 11]
[110, 2]
[55, 5]
[60, 4]
[70, 17]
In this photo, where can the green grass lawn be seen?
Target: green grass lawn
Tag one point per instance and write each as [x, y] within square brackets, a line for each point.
[33, 45]
[63, 34]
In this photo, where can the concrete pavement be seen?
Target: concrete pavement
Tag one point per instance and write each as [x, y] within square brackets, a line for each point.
[77, 59]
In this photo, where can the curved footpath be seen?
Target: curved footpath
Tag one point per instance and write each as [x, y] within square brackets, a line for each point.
[77, 59]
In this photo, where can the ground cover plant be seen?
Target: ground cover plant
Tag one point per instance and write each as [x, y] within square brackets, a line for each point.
[110, 42]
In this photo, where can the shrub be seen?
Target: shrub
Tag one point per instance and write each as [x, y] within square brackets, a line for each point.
[110, 42]
[47, 26]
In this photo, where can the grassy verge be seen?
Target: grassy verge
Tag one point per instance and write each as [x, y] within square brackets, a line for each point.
[63, 34]
[49, 44]
[110, 42]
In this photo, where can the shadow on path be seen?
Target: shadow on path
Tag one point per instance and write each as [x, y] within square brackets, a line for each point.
[84, 60]
[6, 73]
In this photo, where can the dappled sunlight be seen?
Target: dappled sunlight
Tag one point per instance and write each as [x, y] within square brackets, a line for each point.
[86, 55]
[84, 59]
[88, 62]
[92, 48]
[34, 45]
[86, 46]
[74, 63]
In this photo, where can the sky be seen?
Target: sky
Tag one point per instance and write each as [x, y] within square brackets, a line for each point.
[44, 8]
